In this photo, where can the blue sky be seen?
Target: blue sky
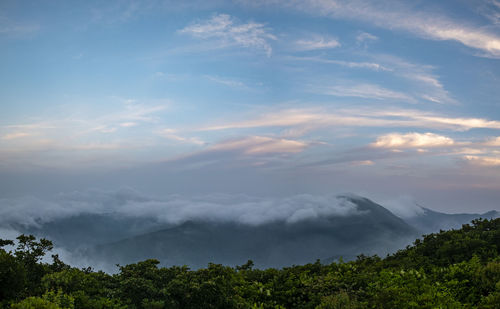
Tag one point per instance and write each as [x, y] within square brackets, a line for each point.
[270, 98]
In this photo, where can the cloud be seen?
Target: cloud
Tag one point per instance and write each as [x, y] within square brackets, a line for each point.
[227, 82]
[229, 32]
[412, 140]
[173, 135]
[404, 207]
[81, 140]
[423, 82]
[128, 124]
[239, 154]
[317, 42]
[461, 124]
[99, 146]
[393, 146]
[491, 10]
[255, 145]
[350, 64]
[127, 113]
[400, 16]
[495, 142]
[16, 135]
[117, 12]
[362, 163]
[430, 120]
[104, 129]
[365, 37]
[366, 91]
[318, 118]
[482, 160]
[16, 29]
[173, 209]
[137, 112]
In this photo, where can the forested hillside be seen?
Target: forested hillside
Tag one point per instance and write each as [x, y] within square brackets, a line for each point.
[450, 269]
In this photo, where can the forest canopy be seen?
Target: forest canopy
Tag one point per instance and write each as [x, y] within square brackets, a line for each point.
[449, 269]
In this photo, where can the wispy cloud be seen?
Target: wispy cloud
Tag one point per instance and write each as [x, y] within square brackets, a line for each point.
[400, 16]
[317, 118]
[227, 82]
[495, 141]
[365, 37]
[174, 135]
[39, 142]
[425, 83]
[129, 114]
[362, 163]
[317, 42]
[138, 112]
[241, 152]
[16, 135]
[443, 122]
[14, 28]
[128, 124]
[491, 10]
[118, 12]
[350, 64]
[366, 91]
[230, 32]
[260, 145]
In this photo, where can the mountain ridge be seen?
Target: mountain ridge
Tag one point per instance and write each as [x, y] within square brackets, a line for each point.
[373, 230]
[366, 227]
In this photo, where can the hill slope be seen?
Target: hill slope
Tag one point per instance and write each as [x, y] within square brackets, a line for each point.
[373, 230]
[430, 221]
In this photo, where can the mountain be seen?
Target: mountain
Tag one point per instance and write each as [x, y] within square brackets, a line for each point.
[368, 228]
[86, 230]
[372, 230]
[429, 221]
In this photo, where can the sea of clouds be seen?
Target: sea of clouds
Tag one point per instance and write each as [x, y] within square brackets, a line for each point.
[172, 209]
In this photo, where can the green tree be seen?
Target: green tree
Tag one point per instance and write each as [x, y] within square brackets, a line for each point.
[12, 274]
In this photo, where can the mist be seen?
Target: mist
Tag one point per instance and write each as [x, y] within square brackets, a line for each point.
[171, 209]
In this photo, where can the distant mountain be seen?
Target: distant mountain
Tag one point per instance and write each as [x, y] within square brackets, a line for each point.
[370, 229]
[86, 230]
[373, 230]
[430, 221]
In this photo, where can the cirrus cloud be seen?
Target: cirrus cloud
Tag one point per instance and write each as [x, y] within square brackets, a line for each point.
[261, 145]
[317, 42]
[229, 32]
[396, 15]
[317, 118]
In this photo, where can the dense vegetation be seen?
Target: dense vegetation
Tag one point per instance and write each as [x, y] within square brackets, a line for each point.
[450, 269]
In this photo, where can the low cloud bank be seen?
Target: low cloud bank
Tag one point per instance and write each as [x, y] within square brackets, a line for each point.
[172, 209]
[404, 207]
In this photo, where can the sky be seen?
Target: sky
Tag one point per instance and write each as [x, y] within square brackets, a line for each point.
[392, 100]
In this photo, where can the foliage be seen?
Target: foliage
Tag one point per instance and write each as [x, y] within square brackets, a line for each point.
[450, 269]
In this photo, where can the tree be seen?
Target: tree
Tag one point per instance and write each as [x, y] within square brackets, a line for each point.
[29, 253]
[12, 276]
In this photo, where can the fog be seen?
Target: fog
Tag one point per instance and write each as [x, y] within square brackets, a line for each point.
[99, 228]
[171, 209]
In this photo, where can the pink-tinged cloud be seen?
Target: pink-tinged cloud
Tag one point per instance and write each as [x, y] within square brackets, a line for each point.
[483, 161]
[412, 140]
